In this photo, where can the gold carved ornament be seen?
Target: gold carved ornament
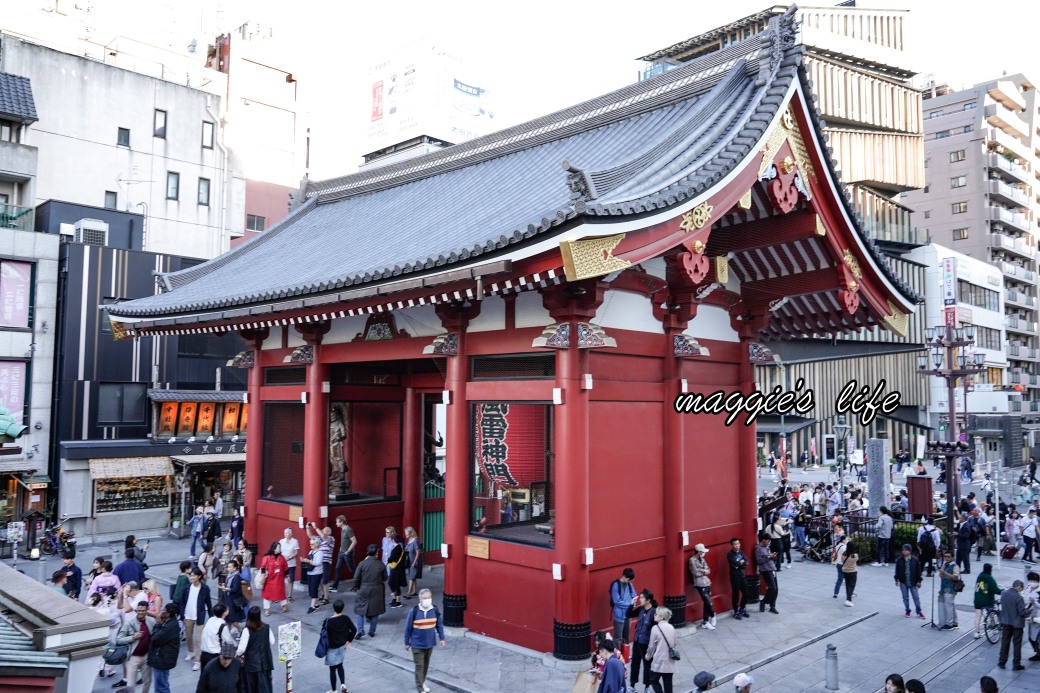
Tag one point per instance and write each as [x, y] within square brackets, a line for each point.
[696, 218]
[820, 230]
[119, 330]
[745, 200]
[852, 264]
[897, 321]
[787, 131]
[591, 258]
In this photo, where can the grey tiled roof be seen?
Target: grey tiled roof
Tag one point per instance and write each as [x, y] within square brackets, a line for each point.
[17, 652]
[195, 395]
[16, 99]
[645, 147]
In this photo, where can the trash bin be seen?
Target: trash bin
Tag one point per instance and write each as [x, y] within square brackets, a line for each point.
[754, 586]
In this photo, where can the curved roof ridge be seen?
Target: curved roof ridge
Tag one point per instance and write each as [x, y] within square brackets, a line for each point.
[676, 85]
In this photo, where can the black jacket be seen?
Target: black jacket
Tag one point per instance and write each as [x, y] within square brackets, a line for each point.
[915, 570]
[203, 606]
[341, 631]
[165, 645]
[217, 679]
[737, 565]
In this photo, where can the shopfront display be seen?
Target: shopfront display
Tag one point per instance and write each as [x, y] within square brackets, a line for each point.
[131, 494]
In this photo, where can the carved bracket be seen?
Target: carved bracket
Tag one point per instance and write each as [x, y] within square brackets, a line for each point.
[558, 336]
[378, 328]
[555, 336]
[443, 345]
[243, 359]
[687, 347]
[301, 354]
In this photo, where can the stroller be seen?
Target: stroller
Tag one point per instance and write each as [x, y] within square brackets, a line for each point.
[821, 536]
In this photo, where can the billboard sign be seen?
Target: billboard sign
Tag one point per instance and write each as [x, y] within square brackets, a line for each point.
[949, 281]
[423, 89]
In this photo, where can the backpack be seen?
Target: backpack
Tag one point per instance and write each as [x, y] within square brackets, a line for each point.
[927, 541]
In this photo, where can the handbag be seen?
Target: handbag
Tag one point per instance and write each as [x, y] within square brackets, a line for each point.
[260, 578]
[116, 654]
[247, 590]
[672, 652]
[322, 648]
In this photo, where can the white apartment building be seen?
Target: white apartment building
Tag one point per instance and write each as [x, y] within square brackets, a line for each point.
[982, 200]
[113, 138]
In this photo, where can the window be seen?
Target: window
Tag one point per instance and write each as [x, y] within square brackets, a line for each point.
[122, 403]
[988, 338]
[971, 105]
[958, 181]
[959, 207]
[941, 134]
[956, 155]
[960, 234]
[207, 135]
[160, 123]
[977, 296]
[123, 137]
[111, 199]
[935, 114]
[173, 185]
[968, 128]
[927, 214]
[204, 192]
[10, 131]
[255, 223]
[511, 493]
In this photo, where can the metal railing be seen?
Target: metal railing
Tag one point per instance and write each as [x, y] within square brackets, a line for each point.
[15, 217]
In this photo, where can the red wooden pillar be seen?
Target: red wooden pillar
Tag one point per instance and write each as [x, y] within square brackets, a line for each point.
[455, 317]
[568, 305]
[315, 427]
[411, 463]
[255, 448]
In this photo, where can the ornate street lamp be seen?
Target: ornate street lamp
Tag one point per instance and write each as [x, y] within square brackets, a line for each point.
[944, 342]
[841, 430]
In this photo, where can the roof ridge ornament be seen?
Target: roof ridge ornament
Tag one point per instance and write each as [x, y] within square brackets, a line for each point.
[781, 36]
[579, 183]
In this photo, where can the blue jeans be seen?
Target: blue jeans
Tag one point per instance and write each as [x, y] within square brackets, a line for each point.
[882, 550]
[799, 537]
[161, 679]
[841, 579]
[345, 559]
[373, 621]
[908, 591]
[195, 538]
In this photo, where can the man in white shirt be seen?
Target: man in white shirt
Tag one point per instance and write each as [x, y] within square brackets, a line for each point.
[194, 609]
[218, 505]
[290, 549]
[1029, 524]
[215, 633]
[132, 596]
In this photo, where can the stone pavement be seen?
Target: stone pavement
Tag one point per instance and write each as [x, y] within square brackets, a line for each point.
[784, 653]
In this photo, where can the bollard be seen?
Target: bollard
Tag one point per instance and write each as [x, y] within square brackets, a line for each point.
[832, 668]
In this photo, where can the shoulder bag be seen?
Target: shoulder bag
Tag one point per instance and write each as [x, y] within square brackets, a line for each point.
[260, 577]
[116, 654]
[322, 648]
[672, 652]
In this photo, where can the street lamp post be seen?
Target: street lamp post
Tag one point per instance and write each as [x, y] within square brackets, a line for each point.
[943, 343]
[841, 430]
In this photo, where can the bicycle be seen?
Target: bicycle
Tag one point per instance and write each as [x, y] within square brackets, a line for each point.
[991, 622]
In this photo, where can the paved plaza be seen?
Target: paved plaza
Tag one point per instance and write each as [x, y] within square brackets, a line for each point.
[784, 652]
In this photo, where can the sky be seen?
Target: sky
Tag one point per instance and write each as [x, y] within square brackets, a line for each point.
[535, 57]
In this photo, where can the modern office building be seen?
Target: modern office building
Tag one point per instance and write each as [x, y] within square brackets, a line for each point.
[857, 61]
[981, 201]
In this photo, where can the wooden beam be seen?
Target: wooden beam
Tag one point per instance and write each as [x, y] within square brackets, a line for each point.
[762, 233]
[799, 284]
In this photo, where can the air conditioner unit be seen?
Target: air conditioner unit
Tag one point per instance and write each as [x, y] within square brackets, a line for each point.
[91, 232]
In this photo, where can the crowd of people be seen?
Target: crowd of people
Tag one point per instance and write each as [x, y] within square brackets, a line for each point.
[210, 606]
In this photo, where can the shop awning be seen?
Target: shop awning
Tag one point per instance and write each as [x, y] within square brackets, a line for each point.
[128, 467]
[210, 460]
[17, 467]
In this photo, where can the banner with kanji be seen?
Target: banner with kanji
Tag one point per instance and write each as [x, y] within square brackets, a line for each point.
[510, 443]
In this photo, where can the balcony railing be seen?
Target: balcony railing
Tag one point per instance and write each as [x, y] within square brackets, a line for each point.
[1020, 324]
[1023, 379]
[1013, 270]
[999, 162]
[15, 217]
[1020, 297]
[1016, 245]
[1008, 192]
[1009, 143]
[1007, 120]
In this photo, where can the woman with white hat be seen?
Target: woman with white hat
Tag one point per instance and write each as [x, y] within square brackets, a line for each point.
[743, 682]
[699, 570]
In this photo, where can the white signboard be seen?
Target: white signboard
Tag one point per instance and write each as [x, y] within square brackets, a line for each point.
[289, 646]
[949, 281]
[423, 89]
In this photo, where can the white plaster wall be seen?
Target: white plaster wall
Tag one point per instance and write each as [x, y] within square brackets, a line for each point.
[712, 322]
[344, 329]
[492, 316]
[654, 267]
[82, 103]
[628, 310]
[419, 321]
[529, 310]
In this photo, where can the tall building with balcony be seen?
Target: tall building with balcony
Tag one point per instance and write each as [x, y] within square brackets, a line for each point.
[981, 200]
[856, 58]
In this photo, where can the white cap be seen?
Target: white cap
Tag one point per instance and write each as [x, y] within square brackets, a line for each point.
[741, 680]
